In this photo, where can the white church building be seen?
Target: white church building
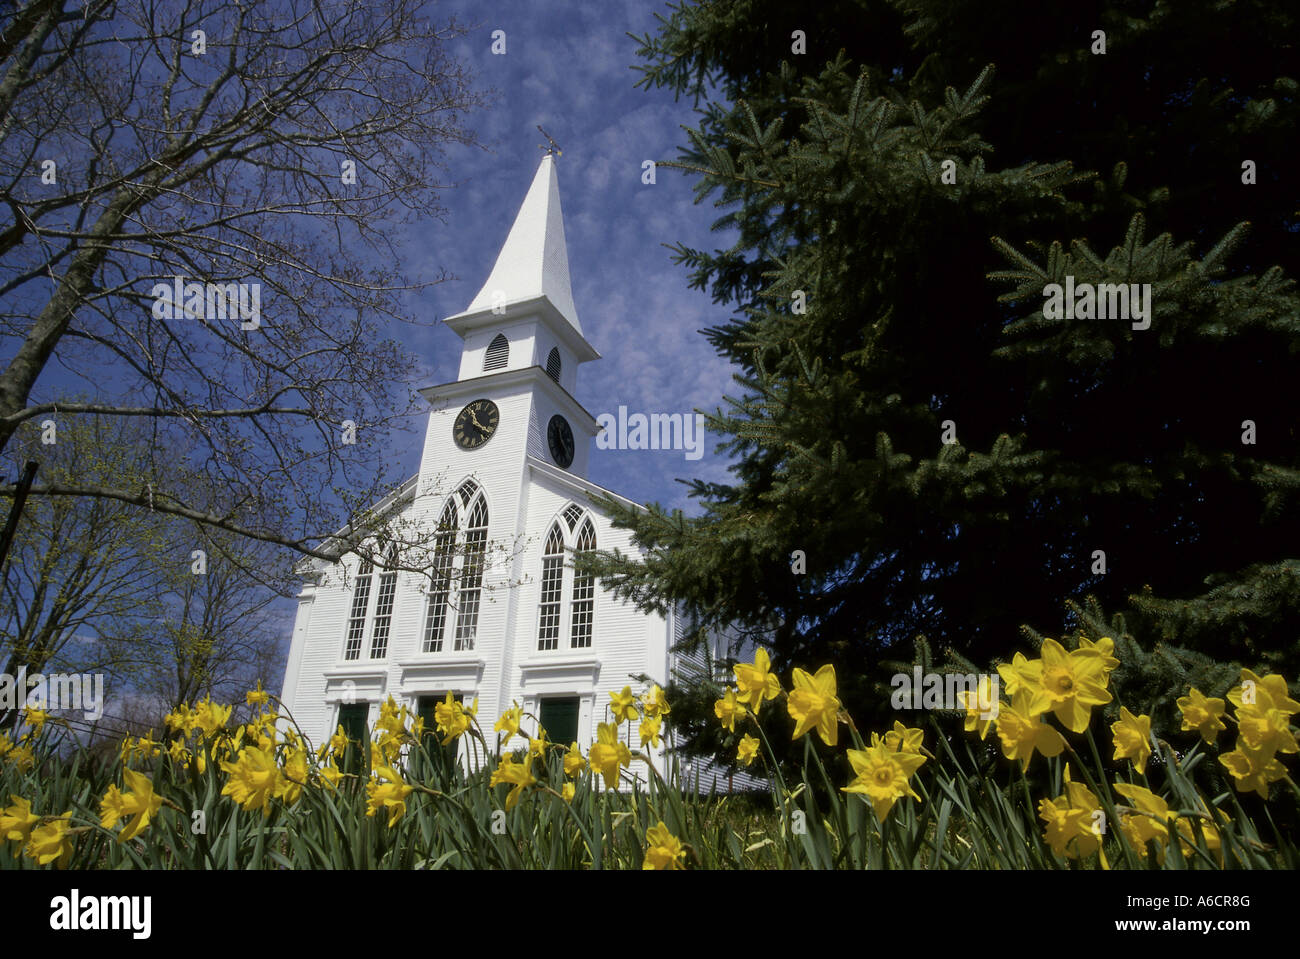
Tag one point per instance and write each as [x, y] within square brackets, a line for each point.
[505, 461]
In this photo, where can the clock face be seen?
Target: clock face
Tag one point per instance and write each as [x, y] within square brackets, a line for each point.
[476, 424]
[560, 438]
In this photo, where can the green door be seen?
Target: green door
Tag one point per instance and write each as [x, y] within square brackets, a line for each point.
[352, 717]
[559, 717]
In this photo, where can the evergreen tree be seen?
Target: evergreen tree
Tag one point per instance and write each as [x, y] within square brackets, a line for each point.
[922, 447]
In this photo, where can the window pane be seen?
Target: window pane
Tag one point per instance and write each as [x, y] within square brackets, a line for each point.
[357, 617]
[383, 615]
[548, 622]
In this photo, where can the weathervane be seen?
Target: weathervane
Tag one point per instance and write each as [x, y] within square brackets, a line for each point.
[553, 149]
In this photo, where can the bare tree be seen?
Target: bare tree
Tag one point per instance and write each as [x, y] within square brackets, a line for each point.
[252, 157]
[214, 631]
[78, 564]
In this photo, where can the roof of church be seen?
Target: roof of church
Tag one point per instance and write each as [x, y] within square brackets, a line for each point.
[534, 261]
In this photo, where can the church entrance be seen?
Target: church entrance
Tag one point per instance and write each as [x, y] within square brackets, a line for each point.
[558, 715]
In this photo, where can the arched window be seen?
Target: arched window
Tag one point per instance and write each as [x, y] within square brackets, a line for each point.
[572, 513]
[438, 618]
[444, 554]
[584, 593]
[548, 628]
[553, 364]
[384, 605]
[471, 576]
[357, 617]
[498, 353]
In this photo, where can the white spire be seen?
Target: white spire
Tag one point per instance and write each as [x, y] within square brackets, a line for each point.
[534, 262]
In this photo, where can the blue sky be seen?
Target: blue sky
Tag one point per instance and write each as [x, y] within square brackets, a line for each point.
[567, 67]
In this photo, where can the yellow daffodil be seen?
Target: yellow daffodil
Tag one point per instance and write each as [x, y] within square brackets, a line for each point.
[338, 743]
[747, 749]
[1266, 692]
[21, 757]
[5, 745]
[390, 795]
[608, 753]
[452, 718]
[177, 751]
[1148, 819]
[51, 842]
[112, 807]
[537, 747]
[1132, 735]
[140, 802]
[1252, 770]
[1021, 673]
[900, 739]
[36, 718]
[567, 792]
[330, 776]
[258, 696]
[813, 705]
[1202, 714]
[650, 731]
[756, 680]
[623, 705]
[1103, 649]
[653, 703]
[16, 821]
[520, 775]
[883, 776]
[981, 707]
[574, 761]
[143, 749]
[1073, 821]
[392, 720]
[180, 720]
[1265, 729]
[210, 718]
[293, 776]
[1072, 683]
[663, 849]
[1023, 733]
[1062, 825]
[728, 709]
[509, 722]
[254, 779]
[390, 748]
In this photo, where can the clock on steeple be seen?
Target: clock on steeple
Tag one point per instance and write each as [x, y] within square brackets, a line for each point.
[559, 437]
[476, 424]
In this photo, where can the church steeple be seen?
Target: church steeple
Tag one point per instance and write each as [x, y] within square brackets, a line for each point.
[534, 261]
[530, 278]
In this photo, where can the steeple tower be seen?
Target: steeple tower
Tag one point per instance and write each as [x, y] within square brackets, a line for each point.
[511, 407]
[528, 289]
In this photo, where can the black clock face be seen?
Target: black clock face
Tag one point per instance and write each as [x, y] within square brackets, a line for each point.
[560, 438]
[476, 424]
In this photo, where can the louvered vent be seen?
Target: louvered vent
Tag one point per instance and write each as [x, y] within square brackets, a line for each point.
[498, 353]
